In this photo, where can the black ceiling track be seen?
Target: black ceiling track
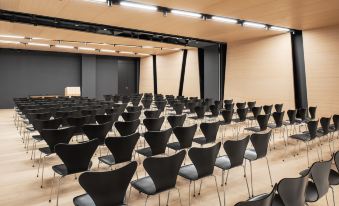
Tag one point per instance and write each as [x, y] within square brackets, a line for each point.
[39, 20]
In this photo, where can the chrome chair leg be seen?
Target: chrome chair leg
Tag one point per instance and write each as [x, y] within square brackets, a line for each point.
[200, 187]
[269, 171]
[189, 193]
[333, 195]
[179, 196]
[42, 172]
[146, 200]
[50, 196]
[308, 159]
[248, 189]
[251, 178]
[57, 203]
[37, 175]
[168, 197]
[216, 185]
[159, 198]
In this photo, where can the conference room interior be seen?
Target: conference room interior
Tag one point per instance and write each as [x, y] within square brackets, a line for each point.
[178, 102]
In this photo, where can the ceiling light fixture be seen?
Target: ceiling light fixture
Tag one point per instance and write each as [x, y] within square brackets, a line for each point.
[129, 46]
[147, 47]
[224, 20]
[9, 42]
[254, 25]
[86, 48]
[38, 38]
[277, 28]
[138, 6]
[64, 46]
[107, 50]
[186, 13]
[11, 36]
[97, 1]
[38, 44]
[125, 52]
[143, 54]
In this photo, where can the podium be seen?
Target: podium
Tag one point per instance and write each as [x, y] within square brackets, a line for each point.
[72, 91]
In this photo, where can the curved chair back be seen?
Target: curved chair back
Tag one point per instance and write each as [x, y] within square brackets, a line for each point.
[250, 105]
[55, 136]
[135, 101]
[204, 158]
[319, 173]
[235, 150]
[336, 122]
[146, 103]
[108, 97]
[229, 106]
[191, 106]
[152, 113]
[200, 111]
[210, 130]
[228, 101]
[312, 111]
[268, 109]
[218, 104]
[241, 105]
[263, 121]
[128, 127]
[157, 140]
[176, 120]
[185, 135]
[292, 114]
[178, 108]
[97, 131]
[214, 110]
[264, 200]
[242, 113]
[256, 111]
[313, 128]
[325, 124]
[278, 118]
[134, 108]
[227, 115]
[292, 190]
[302, 114]
[131, 116]
[164, 170]
[260, 143]
[160, 105]
[153, 124]
[122, 147]
[103, 118]
[336, 160]
[125, 99]
[76, 157]
[46, 124]
[278, 107]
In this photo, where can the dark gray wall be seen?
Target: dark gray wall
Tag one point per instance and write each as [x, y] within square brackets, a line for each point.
[106, 76]
[24, 73]
[88, 76]
[211, 72]
[127, 76]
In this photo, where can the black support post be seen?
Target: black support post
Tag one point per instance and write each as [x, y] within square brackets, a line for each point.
[155, 82]
[222, 60]
[201, 57]
[299, 74]
[182, 75]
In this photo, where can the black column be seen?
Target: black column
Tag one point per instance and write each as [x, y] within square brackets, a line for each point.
[182, 75]
[299, 74]
[222, 60]
[201, 57]
[155, 82]
[137, 68]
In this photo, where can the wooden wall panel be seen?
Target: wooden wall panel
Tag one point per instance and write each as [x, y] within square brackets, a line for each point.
[322, 69]
[191, 83]
[146, 75]
[261, 70]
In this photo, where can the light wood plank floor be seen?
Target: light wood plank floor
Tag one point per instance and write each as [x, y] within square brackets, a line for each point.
[20, 186]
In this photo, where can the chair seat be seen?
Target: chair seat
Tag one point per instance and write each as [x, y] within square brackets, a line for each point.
[147, 152]
[223, 163]
[37, 138]
[107, 159]
[303, 137]
[200, 140]
[253, 129]
[45, 150]
[272, 126]
[334, 178]
[83, 200]
[311, 192]
[60, 169]
[174, 146]
[144, 185]
[250, 154]
[189, 172]
[259, 197]
[277, 201]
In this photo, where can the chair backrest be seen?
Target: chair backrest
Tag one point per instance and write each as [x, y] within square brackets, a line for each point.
[278, 107]
[127, 128]
[200, 111]
[146, 103]
[336, 160]
[256, 111]
[229, 106]
[235, 150]
[176, 120]
[228, 101]
[122, 147]
[302, 113]
[278, 118]
[260, 143]
[312, 128]
[76, 157]
[292, 190]
[134, 108]
[250, 105]
[336, 122]
[164, 170]
[263, 121]
[152, 113]
[268, 109]
[204, 158]
[46, 124]
[241, 105]
[160, 105]
[103, 118]
[109, 187]
[227, 116]
[131, 116]
[191, 106]
[292, 114]
[264, 200]
[55, 136]
[242, 113]
[325, 124]
[157, 140]
[178, 108]
[97, 131]
[319, 173]
[185, 135]
[214, 110]
[153, 124]
[312, 111]
[210, 130]
[218, 104]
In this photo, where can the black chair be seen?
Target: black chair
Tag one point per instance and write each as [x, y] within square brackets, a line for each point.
[242, 114]
[291, 192]
[267, 109]
[227, 116]
[103, 118]
[200, 112]
[262, 121]
[255, 111]
[178, 108]
[214, 112]
[260, 143]
[292, 121]
[154, 124]
[278, 125]
[78, 123]
[278, 107]
[131, 116]
[121, 149]
[160, 105]
[152, 113]
[127, 128]
[210, 132]
[146, 103]
[97, 131]
[302, 115]
[134, 108]
[241, 105]
[157, 141]
[260, 200]
[334, 175]
[312, 111]
[228, 101]
[218, 104]
[108, 97]
[324, 132]
[203, 160]
[185, 137]
[229, 106]
[53, 137]
[176, 120]
[76, 158]
[105, 188]
[250, 105]
[191, 106]
[234, 157]
[163, 172]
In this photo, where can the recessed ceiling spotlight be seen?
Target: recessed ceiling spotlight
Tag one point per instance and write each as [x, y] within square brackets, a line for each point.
[138, 6]
[125, 52]
[64, 46]
[254, 25]
[186, 13]
[277, 28]
[86, 48]
[129, 46]
[224, 20]
[147, 47]
[11, 36]
[107, 50]
[38, 44]
[9, 42]
[143, 54]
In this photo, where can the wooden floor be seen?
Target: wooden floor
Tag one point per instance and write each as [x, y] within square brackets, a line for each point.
[20, 186]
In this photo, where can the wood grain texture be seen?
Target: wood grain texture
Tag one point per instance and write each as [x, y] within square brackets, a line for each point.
[322, 69]
[260, 70]
[146, 75]
[191, 83]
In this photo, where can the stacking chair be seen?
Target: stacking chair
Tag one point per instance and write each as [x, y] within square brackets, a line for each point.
[229, 106]
[97, 131]
[255, 111]
[241, 105]
[312, 111]
[152, 113]
[260, 200]
[108, 97]
[278, 107]
[260, 143]
[210, 132]
[292, 116]
[53, 137]
[214, 112]
[163, 172]
[131, 116]
[78, 123]
[262, 121]
[278, 125]
[134, 108]
[105, 188]
[334, 175]
[250, 105]
[185, 137]
[146, 103]
[103, 118]
[178, 108]
[267, 109]
[121, 149]
[160, 105]
[242, 114]
[203, 160]
[176, 120]
[228, 101]
[127, 128]
[291, 192]
[334, 128]
[234, 157]
[154, 124]
[200, 113]
[76, 158]
[324, 132]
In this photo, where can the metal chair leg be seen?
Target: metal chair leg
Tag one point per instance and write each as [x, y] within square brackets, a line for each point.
[57, 203]
[248, 189]
[216, 185]
[189, 194]
[269, 171]
[308, 159]
[159, 198]
[37, 175]
[200, 187]
[42, 172]
[146, 200]
[251, 178]
[50, 196]
[333, 195]
[179, 196]
[168, 197]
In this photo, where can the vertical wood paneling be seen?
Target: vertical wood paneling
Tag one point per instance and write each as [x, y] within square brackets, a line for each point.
[146, 75]
[191, 84]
